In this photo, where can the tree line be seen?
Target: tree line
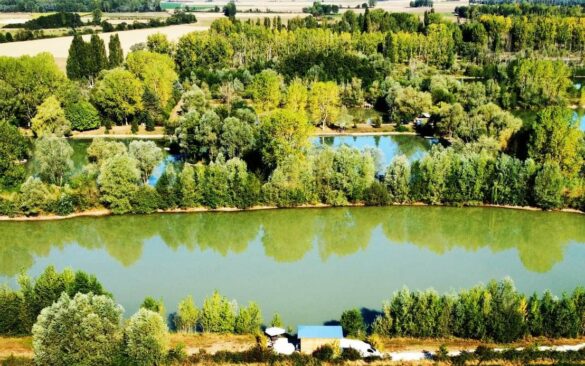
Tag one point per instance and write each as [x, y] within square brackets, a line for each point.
[494, 312]
[78, 5]
[55, 307]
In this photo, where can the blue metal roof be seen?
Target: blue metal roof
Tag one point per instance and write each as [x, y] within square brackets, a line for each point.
[320, 331]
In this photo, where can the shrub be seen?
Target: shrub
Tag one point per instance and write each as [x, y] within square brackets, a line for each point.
[353, 323]
[146, 338]
[145, 200]
[376, 195]
[89, 322]
[351, 354]
[324, 353]
[83, 116]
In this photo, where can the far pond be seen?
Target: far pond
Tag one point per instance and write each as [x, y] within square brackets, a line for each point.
[307, 264]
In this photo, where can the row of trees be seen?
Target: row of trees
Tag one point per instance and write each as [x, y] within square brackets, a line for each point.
[78, 5]
[494, 312]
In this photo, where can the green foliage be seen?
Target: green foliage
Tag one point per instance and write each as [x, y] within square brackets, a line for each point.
[118, 95]
[118, 180]
[33, 197]
[324, 353]
[25, 83]
[157, 73]
[13, 149]
[187, 316]
[154, 305]
[146, 339]
[147, 156]
[53, 159]
[248, 320]
[116, 54]
[83, 116]
[90, 322]
[276, 321]
[217, 314]
[265, 90]
[10, 305]
[324, 103]
[548, 186]
[555, 137]
[50, 119]
[353, 323]
[282, 133]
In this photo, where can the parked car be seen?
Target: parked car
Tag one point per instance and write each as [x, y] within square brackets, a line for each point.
[365, 349]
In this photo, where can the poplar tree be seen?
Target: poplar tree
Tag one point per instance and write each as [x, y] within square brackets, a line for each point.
[98, 59]
[77, 59]
[116, 57]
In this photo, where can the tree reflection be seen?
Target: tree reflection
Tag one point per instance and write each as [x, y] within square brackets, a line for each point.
[540, 238]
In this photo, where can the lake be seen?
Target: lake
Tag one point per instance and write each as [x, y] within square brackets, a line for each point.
[388, 146]
[307, 264]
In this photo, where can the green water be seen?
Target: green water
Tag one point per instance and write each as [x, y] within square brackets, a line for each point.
[307, 264]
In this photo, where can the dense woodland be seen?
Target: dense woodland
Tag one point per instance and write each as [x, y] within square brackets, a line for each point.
[239, 103]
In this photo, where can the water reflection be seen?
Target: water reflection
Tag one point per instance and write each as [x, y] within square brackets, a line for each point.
[286, 236]
[413, 147]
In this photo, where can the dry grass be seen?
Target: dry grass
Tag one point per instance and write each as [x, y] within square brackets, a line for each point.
[431, 344]
[212, 343]
[17, 346]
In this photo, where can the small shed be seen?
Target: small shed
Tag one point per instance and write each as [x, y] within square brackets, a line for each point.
[312, 337]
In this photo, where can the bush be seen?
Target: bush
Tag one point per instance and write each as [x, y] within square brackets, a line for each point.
[376, 195]
[351, 354]
[145, 200]
[324, 353]
[83, 116]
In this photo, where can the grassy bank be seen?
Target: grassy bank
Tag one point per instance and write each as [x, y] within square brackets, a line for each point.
[212, 343]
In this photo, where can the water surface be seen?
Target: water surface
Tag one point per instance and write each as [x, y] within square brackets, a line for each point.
[307, 264]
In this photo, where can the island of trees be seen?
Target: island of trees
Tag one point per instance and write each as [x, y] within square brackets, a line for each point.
[238, 104]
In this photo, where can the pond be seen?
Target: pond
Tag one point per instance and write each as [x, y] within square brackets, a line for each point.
[79, 157]
[529, 116]
[307, 264]
[388, 146]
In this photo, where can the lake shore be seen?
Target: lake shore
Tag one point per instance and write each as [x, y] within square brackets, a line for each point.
[101, 212]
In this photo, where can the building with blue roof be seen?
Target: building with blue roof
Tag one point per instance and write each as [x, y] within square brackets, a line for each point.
[312, 337]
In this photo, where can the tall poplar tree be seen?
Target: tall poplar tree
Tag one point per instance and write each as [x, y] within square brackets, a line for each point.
[116, 56]
[77, 59]
[98, 59]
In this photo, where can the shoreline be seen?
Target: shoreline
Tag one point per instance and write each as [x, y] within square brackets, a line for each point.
[316, 134]
[103, 212]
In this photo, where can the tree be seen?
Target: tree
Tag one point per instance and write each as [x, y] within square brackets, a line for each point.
[102, 149]
[190, 191]
[89, 322]
[159, 43]
[412, 103]
[97, 57]
[249, 319]
[50, 119]
[33, 196]
[217, 314]
[154, 305]
[25, 82]
[548, 186]
[324, 103]
[146, 339]
[83, 116]
[237, 138]
[353, 323]
[555, 137]
[156, 71]
[187, 315]
[282, 133]
[230, 10]
[118, 180]
[13, 149]
[53, 158]
[276, 321]
[296, 96]
[265, 90]
[78, 58]
[118, 94]
[116, 56]
[147, 155]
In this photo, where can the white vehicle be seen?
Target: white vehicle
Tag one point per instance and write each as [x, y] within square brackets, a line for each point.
[365, 349]
[282, 347]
